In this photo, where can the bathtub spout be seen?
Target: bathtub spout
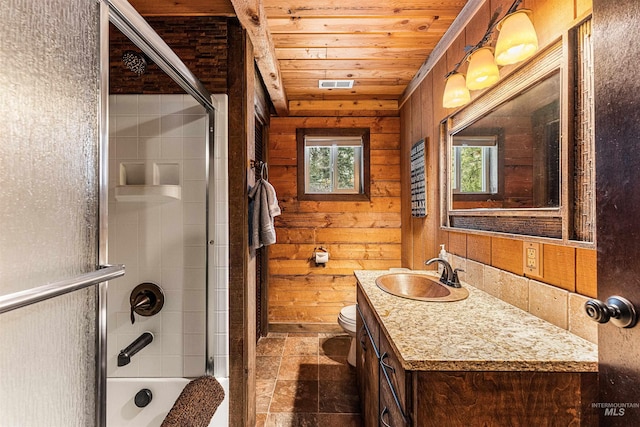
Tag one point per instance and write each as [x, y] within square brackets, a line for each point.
[141, 342]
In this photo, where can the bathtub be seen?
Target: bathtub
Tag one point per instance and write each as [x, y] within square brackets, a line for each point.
[122, 411]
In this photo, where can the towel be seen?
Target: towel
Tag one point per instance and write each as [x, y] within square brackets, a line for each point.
[196, 405]
[264, 208]
[272, 199]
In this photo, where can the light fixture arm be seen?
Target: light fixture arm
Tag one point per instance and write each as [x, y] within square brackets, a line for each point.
[513, 7]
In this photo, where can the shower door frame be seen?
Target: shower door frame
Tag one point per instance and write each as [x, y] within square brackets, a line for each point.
[132, 24]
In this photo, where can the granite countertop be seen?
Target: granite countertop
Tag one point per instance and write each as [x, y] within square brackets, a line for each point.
[479, 333]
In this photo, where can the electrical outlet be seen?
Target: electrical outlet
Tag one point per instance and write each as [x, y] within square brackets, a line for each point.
[532, 259]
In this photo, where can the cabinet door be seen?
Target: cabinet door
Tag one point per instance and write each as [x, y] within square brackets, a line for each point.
[367, 373]
[390, 413]
[392, 370]
[394, 409]
[367, 361]
[368, 317]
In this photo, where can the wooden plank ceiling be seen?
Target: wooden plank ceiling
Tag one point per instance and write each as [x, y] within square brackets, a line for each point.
[379, 44]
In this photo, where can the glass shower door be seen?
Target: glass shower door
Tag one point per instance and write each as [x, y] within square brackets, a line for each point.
[49, 103]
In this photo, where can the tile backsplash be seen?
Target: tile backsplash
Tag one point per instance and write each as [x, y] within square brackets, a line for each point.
[557, 306]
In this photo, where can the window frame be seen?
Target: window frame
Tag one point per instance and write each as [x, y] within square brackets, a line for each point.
[363, 133]
[333, 144]
[490, 147]
[498, 134]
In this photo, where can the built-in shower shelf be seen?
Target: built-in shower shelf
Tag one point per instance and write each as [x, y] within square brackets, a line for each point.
[148, 193]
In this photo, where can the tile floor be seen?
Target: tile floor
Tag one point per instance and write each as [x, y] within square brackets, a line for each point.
[304, 380]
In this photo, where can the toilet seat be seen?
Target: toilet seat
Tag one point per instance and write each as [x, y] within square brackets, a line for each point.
[347, 318]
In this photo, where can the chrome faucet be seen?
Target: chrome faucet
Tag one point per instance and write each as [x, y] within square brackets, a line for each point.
[449, 275]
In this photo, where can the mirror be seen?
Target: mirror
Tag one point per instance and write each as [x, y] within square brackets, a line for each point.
[509, 158]
[520, 158]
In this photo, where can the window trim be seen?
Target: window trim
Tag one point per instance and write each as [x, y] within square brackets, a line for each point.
[499, 195]
[363, 133]
[490, 162]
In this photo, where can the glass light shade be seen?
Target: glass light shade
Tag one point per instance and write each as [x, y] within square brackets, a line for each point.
[455, 92]
[483, 71]
[517, 40]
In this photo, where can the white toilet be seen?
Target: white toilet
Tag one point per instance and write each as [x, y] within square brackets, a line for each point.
[347, 320]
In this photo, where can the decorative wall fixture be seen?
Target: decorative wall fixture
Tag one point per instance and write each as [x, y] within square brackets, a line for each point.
[418, 180]
[516, 42]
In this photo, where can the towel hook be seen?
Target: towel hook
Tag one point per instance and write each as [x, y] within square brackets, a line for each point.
[260, 168]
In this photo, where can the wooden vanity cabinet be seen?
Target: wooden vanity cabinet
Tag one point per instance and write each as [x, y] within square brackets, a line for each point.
[517, 398]
[392, 396]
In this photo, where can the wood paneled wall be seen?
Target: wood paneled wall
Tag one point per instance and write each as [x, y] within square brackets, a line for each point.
[357, 234]
[564, 266]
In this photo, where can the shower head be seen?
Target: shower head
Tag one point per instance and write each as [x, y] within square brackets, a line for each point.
[134, 61]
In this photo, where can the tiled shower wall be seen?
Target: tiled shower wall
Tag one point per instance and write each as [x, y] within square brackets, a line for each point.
[218, 327]
[163, 243]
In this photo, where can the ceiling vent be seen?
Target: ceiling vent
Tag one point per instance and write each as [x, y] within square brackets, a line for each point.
[335, 84]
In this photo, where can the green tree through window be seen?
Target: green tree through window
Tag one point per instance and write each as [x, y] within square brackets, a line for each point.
[471, 170]
[320, 169]
[333, 165]
[474, 165]
[346, 170]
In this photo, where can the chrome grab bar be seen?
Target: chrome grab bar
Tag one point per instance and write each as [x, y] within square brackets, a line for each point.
[31, 296]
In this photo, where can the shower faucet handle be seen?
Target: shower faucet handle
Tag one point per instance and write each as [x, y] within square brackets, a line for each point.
[146, 299]
[142, 301]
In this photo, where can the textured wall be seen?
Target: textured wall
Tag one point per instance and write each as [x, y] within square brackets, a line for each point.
[201, 43]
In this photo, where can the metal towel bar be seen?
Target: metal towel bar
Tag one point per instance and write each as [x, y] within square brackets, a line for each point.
[31, 296]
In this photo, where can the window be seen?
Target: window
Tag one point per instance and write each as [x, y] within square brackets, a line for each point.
[333, 164]
[474, 167]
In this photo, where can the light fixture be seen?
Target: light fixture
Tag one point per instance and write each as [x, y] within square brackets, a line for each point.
[483, 71]
[455, 91]
[517, 40]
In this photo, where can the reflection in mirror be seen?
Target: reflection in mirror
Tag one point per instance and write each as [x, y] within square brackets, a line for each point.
[510, 157]
[474, 165]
